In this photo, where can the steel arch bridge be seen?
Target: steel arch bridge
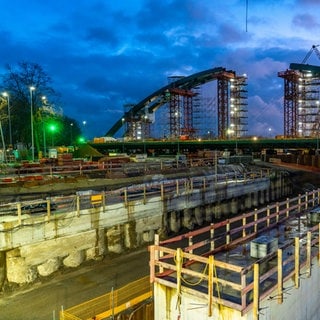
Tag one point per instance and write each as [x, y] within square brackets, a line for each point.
[172, 93]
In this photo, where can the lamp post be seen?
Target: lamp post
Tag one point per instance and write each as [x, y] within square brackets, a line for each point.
[318, 104]
[71, 134]
[84, 128]
[124, 132]
[32, 88]
[144, 132]
[44, 101]
[5, 94]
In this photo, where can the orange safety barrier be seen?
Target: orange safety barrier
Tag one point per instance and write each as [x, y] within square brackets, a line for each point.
[111, 303]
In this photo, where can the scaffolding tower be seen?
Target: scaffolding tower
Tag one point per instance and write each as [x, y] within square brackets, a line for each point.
[301, 102]
[238, 107]
[136, 125]
[223, 88]
[308, 106]
[181, 113]
[290, 102]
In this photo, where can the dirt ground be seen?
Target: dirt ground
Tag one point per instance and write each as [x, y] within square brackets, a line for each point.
[44, 300]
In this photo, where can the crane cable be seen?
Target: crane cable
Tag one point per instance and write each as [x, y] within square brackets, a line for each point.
[247, 15]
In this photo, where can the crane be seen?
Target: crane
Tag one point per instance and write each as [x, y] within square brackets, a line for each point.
[313, 48]
[306, 67]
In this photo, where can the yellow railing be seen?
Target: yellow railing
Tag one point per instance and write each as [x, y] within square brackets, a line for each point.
[111, 303]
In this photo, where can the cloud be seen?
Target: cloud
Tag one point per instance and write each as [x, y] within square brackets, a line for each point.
[104, 54]
[306, 21]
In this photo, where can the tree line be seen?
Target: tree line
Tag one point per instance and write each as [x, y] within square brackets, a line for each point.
[30, 106]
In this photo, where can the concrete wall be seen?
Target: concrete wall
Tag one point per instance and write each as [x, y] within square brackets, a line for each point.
[39, 245]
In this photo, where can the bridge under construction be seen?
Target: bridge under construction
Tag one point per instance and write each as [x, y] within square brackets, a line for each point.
[179, 110]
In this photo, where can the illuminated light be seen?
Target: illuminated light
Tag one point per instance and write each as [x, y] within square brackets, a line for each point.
[81, 140]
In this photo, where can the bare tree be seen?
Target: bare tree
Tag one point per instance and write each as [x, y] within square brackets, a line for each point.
[17, 82]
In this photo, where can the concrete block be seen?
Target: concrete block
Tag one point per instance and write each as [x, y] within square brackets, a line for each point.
[74, 259]
[19, 272]
[48, 267]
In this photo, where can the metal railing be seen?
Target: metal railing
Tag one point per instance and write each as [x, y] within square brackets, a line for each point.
[240, 285]
[112, 303]
[55, 206]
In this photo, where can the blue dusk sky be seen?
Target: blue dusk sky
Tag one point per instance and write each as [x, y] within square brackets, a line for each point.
[104, 54]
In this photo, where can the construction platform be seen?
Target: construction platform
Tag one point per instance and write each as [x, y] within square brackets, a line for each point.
[234, 268]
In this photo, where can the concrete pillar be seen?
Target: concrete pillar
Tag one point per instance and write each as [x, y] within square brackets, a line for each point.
[174, 221]
[261, 197]
[216, 209]
[248, 201]
[130, 235]
[208, 213]
[255, 201]
[234, 206]
[187, 219]
[278, 187]
[114, 239]
[198, 214]
[241, 203]
[2, 268]
[267, 195]
[225, 208]
[273, 191]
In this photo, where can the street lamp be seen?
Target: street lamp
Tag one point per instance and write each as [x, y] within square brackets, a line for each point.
[71, 134]
[5, 94]
[84, 127]
[44, 101]
[317, 151]
[32, 88]
[124, 132]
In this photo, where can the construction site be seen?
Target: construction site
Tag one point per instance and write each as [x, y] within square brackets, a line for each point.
[259, 262]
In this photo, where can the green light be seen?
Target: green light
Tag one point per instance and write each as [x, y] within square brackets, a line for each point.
[52, 128]
[81, 140]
